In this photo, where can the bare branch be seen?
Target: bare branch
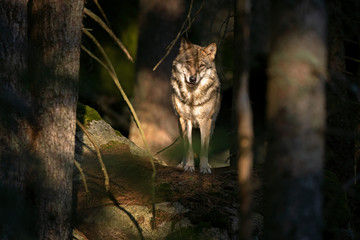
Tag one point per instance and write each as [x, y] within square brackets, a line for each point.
[77, 164]
[110, 69]
[102, 12]
[103, 168]
[109, 31]
[189, 22]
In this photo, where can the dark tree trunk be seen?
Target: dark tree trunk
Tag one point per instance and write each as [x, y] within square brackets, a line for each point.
[54, 65]
[160, 22]
[296, 120]
[340, 115]
[243, 114]
[37, 162]
[259, 51]
[15, 121]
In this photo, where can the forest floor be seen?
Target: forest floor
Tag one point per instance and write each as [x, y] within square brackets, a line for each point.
[210, 201]
[207, 197]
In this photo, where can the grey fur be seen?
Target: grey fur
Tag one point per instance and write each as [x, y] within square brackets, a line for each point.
[196, 98]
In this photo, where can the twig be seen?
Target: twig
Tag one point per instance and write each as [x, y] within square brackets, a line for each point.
[77, 164]
[351, 41]
[158, 152]
[109, 31]
[225, 24]
[352, 59]
[110, 69]
[133, 220]
[102, 12]
[77, 235]
[95, 58]
[103, 168]
[189, 22]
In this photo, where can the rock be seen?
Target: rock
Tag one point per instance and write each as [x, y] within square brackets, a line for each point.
[171, 208]
[108, 219]
[102, 134]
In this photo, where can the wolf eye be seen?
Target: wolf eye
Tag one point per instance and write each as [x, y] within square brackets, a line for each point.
[202, 65]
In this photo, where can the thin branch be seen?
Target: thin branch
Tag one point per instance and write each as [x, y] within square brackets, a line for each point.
[221, 39]
[95, 58]
[189, 22]
[158, 152]
[102, 12]
[77, 164]
[131, 217]
[107, 59]
[110, 69]
[351, 41]
[103, 168]
[352, 59]
[109, 31]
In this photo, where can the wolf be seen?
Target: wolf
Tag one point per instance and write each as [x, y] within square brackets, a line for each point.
[196, 98]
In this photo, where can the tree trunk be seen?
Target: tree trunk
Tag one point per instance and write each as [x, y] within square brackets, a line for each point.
[259, 52]
[243, 114]
[296, 120]
[159, 23]
[41, 106]
[340, 115]
[15, 121]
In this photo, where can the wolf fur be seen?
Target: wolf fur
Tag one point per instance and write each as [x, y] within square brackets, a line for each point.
[196, 98]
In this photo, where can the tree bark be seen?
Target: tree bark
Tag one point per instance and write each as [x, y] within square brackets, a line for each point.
[341, 120]
[243, 114]
[296, 120]
[42, 109]
[160, 21]
[259, 52]
[15, 121]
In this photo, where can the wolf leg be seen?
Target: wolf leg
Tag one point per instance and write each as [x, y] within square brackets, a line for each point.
[205, 132]
[189, 166]
[182, 130]
[188, 159]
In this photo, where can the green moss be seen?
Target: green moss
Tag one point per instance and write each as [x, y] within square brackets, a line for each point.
[86, 114]
[118, 133]
[112, 145]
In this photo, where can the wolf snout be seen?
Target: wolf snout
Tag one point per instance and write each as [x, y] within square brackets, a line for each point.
[192, 79]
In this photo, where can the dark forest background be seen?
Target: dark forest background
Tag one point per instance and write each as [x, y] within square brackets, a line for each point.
[304, 137]
[215, 23]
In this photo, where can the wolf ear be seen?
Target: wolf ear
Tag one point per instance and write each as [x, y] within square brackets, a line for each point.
[211, 51]
[184, 45]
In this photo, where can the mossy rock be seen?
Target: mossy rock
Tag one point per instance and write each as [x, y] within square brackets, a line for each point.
[86, 114]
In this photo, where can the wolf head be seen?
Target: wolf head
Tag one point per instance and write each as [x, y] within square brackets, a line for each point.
[194, 62]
